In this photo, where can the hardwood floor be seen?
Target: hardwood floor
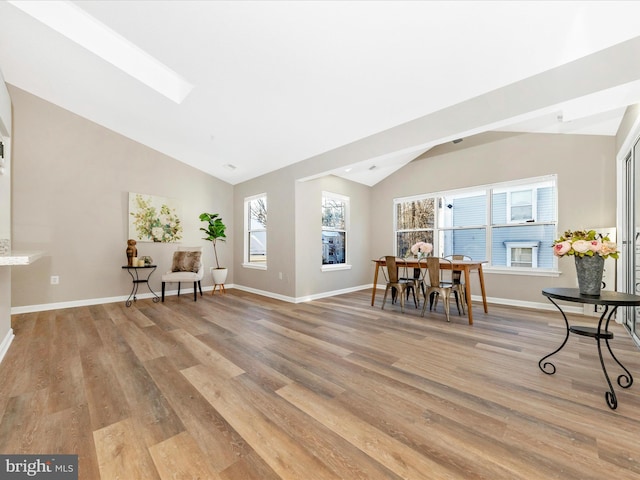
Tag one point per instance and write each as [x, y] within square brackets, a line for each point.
[242, 387]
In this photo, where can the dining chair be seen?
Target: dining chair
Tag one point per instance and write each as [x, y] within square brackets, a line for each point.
[437, 287]
[390, 272]
[413, 275]
[456, 280]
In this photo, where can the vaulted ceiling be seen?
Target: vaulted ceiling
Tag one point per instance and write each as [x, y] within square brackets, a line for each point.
[262, 85]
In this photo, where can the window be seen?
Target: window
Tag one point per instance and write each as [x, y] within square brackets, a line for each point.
[415, 221]
[335, 216]
[255, 245]
[521, 206]
[505, 223]
[522, 254]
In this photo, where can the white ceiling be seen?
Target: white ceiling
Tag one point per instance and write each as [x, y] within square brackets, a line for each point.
[277, 82]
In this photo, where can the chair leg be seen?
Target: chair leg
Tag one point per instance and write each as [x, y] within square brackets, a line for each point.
[200, 287]
[384, 299]
[178, 288]
[163, 291]
[446, 306]
[413, 290]
[455, 294]
[195, 292]
[424, 306]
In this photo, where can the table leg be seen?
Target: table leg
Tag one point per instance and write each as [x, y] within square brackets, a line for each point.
[467, 293]
[610, 396]
[628, 378]
[484, 294]
[543, 366]
[156, 299]
[134, 288]
[375, 283]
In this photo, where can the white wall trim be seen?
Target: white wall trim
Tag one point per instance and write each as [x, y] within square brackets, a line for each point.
[331, 293]
[264, 293]
[509, 302]
[284, 298]
[97, 301]
[6, 342]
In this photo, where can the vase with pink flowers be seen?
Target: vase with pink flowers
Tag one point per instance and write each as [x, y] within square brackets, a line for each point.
[421, 249]
[590, 250]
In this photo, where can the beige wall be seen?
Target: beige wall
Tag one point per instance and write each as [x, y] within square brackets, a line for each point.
[585, 166]
[294, 235]
[310, 279]
[586, 171]
[279, 187]
[72, 178]
[71, 181]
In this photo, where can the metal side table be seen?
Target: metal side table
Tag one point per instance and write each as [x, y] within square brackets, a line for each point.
[133, 271]
[611, 301]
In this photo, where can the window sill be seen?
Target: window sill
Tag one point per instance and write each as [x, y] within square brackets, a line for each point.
[254, 266]
[333, 268]
[522, 271]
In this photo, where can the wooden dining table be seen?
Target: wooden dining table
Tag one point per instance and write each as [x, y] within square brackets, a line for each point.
[466, 266]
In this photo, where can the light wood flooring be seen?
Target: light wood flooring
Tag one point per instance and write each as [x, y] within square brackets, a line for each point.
[242, 387]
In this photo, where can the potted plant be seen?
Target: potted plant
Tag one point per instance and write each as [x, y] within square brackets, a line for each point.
[214, 232]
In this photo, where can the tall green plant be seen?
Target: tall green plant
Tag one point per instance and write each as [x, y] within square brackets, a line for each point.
[214, 230]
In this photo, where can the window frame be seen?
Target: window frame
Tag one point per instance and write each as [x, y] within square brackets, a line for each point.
[533, 246]
[246, 261]
[510, 204]
[346, 201]
[491, 225]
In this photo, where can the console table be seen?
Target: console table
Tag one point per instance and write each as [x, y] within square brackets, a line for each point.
[133, 271]
[611, 301]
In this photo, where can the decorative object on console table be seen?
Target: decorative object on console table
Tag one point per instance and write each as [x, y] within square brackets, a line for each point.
[132, 252]
[590, 249]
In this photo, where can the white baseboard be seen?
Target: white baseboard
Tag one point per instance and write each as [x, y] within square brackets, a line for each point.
[97, 301]
[6, 342]
[277, 296]
[264, 293]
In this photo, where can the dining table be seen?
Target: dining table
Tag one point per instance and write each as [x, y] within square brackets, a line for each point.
[466, 266]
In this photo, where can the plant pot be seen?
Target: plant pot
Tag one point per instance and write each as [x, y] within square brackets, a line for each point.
[219, 275]
[589, 271]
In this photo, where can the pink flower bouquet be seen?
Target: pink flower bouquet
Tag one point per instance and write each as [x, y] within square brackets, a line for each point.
[421, 249]
[582, 243]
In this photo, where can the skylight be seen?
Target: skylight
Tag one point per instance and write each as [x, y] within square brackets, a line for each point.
[80, 27]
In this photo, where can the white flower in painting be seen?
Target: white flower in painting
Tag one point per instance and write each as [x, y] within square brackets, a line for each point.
[157, 232]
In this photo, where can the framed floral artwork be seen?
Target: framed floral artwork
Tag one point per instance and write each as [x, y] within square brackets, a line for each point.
[154, 219]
